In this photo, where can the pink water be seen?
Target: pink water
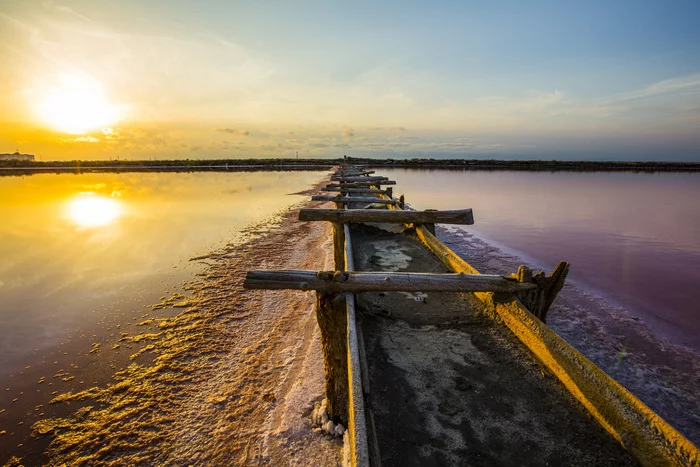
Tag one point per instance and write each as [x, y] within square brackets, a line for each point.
[634, 238]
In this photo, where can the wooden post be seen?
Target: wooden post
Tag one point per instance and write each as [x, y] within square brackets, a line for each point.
[462, 216]
[389, 192]
[402, 201]
[332, 320]
[540, 299]
[339, 246]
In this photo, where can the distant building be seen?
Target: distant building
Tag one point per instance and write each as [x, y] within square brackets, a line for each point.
[16, 157]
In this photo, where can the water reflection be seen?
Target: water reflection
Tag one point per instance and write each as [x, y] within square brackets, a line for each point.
[88, 210]
[75, 250]
[635, 237]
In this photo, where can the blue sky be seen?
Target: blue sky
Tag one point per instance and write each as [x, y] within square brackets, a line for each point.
[538, 79]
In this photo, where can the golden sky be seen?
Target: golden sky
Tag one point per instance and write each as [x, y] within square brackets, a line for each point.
[87, 79]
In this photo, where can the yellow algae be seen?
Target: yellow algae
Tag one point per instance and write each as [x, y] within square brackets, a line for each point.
[198, 401]
[14, 461]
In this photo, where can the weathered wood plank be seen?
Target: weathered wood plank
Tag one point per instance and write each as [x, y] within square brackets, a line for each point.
[356, 282]
[363, 184]
[351, 178]
[354, 173]
[332, 320]
[356, 190]
[462, 216]
[339, 246]
[352, 199]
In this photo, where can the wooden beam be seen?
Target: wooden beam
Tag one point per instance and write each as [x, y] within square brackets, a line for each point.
[356, 282]
[354, 172]
[352, 199]
[356, 190]
[462, 216]
[332, 320]
[357, 179]
[364, 184]
[538, 301]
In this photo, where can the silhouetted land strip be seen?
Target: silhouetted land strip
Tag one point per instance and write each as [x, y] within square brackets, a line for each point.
[238, 165]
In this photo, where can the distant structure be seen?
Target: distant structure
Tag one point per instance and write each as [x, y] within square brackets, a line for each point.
[16, 157]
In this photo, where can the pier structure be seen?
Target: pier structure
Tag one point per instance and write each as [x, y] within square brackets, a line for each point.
[429, 362]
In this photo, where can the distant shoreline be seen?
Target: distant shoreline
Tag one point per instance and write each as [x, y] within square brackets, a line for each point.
[236, 165]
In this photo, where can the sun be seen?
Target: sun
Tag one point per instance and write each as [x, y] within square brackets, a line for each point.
[76, 104]
[88, 210]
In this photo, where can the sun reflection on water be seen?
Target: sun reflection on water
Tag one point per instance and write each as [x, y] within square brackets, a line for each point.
[88, 210]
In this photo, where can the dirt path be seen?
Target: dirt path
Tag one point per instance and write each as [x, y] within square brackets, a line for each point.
[231, 380]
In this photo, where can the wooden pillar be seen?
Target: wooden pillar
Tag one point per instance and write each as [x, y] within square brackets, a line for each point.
[402, 201]
[339, 246]
[389, 192]
[332, 319]
[540, 299]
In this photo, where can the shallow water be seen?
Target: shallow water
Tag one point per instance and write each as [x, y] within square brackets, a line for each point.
[85, 256]
[635, 238]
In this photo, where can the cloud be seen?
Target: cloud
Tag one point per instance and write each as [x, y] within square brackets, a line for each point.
[65, 9]
[348, 132]
[389, 128]
[232, 131]
[318, 145]
[111, 134]
[667, 86]
[80, 139]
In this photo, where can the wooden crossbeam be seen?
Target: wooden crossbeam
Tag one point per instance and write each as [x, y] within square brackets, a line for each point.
[353, 199]
[356, 282]
[462, 216]
[363, 184]
[356, 190]
[354, 172]
[351, 178]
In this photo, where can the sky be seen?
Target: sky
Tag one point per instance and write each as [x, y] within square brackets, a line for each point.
[157, 79]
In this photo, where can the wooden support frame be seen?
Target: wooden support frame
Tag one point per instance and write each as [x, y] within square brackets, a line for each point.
[356, 282]
[332, 320]
[540, 299]
[352, 199]
[462, 216]
[363, 184]
[358, 190]
[352, 178]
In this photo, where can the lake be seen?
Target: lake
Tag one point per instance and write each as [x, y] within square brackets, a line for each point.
[633, 237]
[85, 256]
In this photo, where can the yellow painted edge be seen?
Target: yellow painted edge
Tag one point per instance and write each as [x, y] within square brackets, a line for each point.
[641, 431]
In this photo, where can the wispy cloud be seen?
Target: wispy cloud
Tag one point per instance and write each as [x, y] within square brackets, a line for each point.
[65, 9]
[232, 131]
[389, 128]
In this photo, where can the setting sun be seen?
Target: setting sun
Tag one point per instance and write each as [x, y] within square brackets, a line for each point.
[76, 105]
[88, 210]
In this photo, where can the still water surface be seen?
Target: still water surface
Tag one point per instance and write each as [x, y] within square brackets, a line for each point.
[77, 249]
[633, 237]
